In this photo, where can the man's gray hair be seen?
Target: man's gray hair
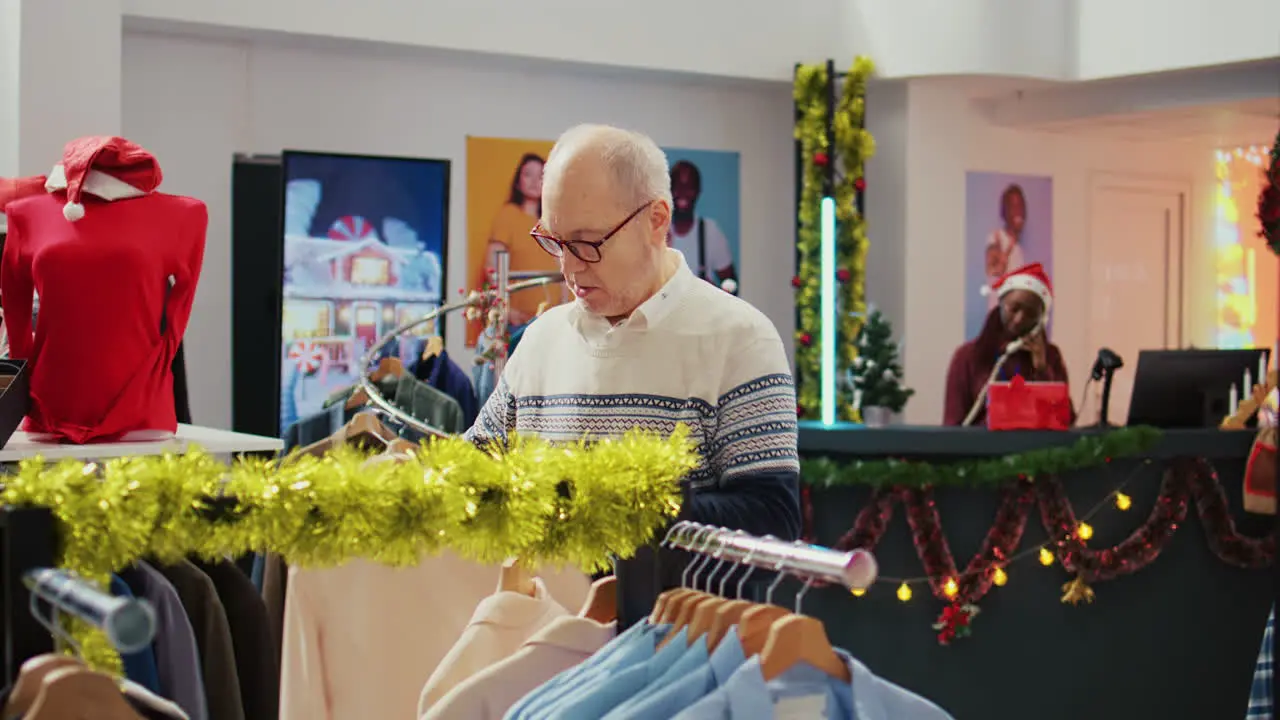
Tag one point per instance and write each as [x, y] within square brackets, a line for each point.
[639, 166]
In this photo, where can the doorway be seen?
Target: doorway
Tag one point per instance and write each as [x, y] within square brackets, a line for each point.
[366, 326]
[1137, 228]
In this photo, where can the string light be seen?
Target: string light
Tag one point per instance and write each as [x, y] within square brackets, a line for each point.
[952, 588]
[998, 575]
[858, 592]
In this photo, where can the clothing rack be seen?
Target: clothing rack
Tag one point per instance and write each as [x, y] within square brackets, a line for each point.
[855, 570]
[501, 295]
[129, 623]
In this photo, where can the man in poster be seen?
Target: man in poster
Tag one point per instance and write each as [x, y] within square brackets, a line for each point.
[699, 239]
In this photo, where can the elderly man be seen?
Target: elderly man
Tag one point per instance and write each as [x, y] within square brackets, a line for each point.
[648, 345]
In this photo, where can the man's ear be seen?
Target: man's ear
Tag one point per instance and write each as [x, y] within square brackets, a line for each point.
[659, 222]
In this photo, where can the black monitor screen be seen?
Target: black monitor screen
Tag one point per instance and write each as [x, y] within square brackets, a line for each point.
[1191, 388]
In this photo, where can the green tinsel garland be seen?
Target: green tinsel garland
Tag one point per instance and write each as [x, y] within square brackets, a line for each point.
[547, 504]
[1088, 452]
[853, 146]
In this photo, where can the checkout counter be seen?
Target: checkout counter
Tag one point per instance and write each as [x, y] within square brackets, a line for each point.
[1176, 639]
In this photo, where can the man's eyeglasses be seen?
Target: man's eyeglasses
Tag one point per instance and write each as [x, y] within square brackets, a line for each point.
[586, 250]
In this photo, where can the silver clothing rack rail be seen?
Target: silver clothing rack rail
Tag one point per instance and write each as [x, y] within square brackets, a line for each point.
[504, 291]
[856, 569]
[129, 623]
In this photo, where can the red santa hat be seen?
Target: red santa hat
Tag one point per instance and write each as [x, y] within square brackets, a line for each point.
[110, 168]
[15, 189]
[1031, 278]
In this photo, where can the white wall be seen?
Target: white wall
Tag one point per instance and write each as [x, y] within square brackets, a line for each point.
[946, 137]
[1131, 37]
[758, 39]
[197, 102]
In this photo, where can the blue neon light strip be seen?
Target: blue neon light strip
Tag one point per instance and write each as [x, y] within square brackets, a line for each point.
[828, 308]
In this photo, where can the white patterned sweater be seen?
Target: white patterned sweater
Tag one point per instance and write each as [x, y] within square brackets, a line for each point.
[691, 354]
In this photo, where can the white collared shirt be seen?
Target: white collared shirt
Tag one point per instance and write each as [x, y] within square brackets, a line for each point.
[501, 624]
[487, 695]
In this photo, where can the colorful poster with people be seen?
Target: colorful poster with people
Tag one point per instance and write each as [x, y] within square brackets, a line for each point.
[364, 251]
[504, 201]
[1008, 224]
[705, 212]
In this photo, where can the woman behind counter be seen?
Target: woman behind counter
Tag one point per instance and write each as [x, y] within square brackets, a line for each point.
[1024, 297]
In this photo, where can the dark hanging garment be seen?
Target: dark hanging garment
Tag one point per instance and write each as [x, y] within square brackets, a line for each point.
[181, 400]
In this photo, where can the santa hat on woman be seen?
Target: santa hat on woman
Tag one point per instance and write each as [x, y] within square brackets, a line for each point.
[15, 189]
[110, 168]
[1031, 278]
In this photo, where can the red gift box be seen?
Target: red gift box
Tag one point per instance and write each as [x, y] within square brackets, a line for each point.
[1022, 405]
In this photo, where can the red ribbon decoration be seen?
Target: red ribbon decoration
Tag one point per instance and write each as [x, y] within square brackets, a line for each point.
[1185, 481]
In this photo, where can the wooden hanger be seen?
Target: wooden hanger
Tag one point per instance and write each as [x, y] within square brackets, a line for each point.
[704, 617]
[753, 628]
[388, 367]
[397, 450]
[727, 615]
[357, 399]
[671, 610]
[664, 599]
[516, 578]
[601, 604]
[800, 639]
[435, 346]
[685, 617]
[30, 679]
[362, 428]
[74, 693]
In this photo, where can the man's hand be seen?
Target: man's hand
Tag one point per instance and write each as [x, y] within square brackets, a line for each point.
[1035, 345]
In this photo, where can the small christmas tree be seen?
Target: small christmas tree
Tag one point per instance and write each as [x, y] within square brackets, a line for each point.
[877, 371]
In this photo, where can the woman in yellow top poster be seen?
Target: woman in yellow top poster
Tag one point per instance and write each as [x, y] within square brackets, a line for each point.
[507, 227]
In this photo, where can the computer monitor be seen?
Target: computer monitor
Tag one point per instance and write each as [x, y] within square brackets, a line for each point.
[1190, 388]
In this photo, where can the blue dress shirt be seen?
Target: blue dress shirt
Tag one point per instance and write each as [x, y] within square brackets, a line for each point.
[804, 691]
[139, 666]
[668, 701]
[690, 661]
[591, 701]
[633, 646]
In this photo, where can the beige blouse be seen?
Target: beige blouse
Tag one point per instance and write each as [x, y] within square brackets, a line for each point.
[361, 639]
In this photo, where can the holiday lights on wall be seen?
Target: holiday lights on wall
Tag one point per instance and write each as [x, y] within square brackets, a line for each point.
[999, 575]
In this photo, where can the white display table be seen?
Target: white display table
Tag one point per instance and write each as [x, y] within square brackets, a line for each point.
[218, 442]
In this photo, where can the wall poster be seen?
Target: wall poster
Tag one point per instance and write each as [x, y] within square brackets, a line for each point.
[1008, 224]
[504, 201]
[364, 251]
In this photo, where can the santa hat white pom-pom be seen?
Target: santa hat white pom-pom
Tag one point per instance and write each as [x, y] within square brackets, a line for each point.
[985, 290]
[73, 211]
[729, 285]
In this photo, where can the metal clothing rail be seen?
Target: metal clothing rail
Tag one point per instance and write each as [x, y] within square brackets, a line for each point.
[502, 294]
[856, 569]
[129, 623]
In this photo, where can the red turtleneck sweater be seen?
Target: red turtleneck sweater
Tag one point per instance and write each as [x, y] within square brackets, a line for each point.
[115, 290]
